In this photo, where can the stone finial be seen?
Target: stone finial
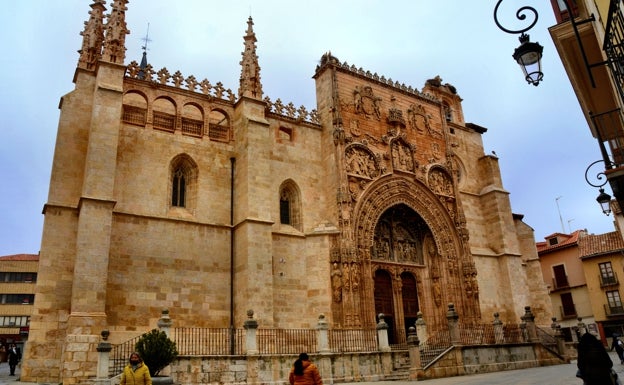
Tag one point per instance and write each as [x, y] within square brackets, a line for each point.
[105, 333]
[528, 314]
[451, 314]
[250, 85]
[116, 30]
[250, 323]
[497, 320]
[382, 322]
[92, 37]
[165, 320]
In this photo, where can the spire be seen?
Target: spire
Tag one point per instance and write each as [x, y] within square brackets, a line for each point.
[250, 85]
[92, 37]
[143, 64]
[116, 31]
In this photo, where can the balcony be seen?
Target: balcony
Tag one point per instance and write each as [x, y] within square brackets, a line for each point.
[608, 280]
[614, 311]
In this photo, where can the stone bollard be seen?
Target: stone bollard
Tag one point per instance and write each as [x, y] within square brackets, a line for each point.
[499, 332]
[104, 348]
[251, 327]
[529, 320]
[323, 334]
[421, 327]
[413, 346]
[382, 334]
[453, 324]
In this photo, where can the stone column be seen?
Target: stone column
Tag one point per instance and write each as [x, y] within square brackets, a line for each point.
[582, 328]
[421, 327]
[499, 333]
[323, 335]
[453, 324]
[561, 349]
[382, 334]
[413, 346]
[104, 348]
[529, 319]
[251, 327]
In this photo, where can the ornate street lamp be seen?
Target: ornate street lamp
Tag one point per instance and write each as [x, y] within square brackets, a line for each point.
[528, 55]
[603, 199]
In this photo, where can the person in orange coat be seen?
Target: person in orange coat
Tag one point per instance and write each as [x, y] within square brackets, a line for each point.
[304, 372]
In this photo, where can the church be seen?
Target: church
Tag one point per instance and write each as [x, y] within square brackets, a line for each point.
[172, 192]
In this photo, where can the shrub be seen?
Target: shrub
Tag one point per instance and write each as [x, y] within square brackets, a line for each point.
[156, 350]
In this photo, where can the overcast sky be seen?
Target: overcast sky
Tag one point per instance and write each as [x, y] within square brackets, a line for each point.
[539, 133]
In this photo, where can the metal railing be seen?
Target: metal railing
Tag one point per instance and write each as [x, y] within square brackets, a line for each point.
[286, 341]
[353, 340]
[208, 342]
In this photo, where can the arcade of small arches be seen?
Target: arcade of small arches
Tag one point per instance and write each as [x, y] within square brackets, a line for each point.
[164, 113]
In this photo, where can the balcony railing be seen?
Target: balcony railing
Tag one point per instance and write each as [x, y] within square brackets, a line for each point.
[608, 280]
[612, 311]
[614, 44]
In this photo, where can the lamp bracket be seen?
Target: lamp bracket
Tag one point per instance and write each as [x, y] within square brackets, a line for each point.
[599, 176]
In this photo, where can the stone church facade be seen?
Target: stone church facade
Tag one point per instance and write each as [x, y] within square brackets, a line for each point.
[171, 192]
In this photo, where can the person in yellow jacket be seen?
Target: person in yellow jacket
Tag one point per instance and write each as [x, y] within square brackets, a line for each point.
[136, 372]
[304, 372]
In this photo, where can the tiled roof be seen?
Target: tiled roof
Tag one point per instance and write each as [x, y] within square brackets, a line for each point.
[20, 257]
[571, 240]
[592, 245]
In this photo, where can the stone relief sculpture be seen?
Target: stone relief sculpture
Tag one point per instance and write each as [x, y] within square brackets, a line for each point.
[417, 118]
[402, 156]
[336, 280]
[440, 183]
[361, 162]
[394, 242]
[366, 102]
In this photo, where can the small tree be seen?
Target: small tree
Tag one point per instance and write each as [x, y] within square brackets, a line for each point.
[156, 350]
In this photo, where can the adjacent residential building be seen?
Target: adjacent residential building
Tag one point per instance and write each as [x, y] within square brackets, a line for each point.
[563, 273]
[602, 257]
[589, 39]
[18, 276]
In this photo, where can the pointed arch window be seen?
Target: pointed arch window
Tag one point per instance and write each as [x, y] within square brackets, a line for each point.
[290, 205]
[178, 190]
[182, 181]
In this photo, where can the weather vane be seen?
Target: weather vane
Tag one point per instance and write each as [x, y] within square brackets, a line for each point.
[146, 39]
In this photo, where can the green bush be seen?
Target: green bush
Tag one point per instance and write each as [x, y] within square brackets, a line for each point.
[156, 350]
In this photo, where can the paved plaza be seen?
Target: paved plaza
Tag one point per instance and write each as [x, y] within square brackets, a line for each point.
[550, 375]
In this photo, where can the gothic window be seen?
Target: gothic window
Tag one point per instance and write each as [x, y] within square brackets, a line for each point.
[290, 204]
[182, 182]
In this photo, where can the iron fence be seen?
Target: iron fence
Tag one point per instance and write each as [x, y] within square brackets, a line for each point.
[286, 341]
[208, 342]
[353, 340]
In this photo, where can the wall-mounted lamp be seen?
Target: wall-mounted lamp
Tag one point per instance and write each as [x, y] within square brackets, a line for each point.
[528, 55]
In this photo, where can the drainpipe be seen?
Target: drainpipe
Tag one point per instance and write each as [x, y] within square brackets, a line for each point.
[232, 330]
